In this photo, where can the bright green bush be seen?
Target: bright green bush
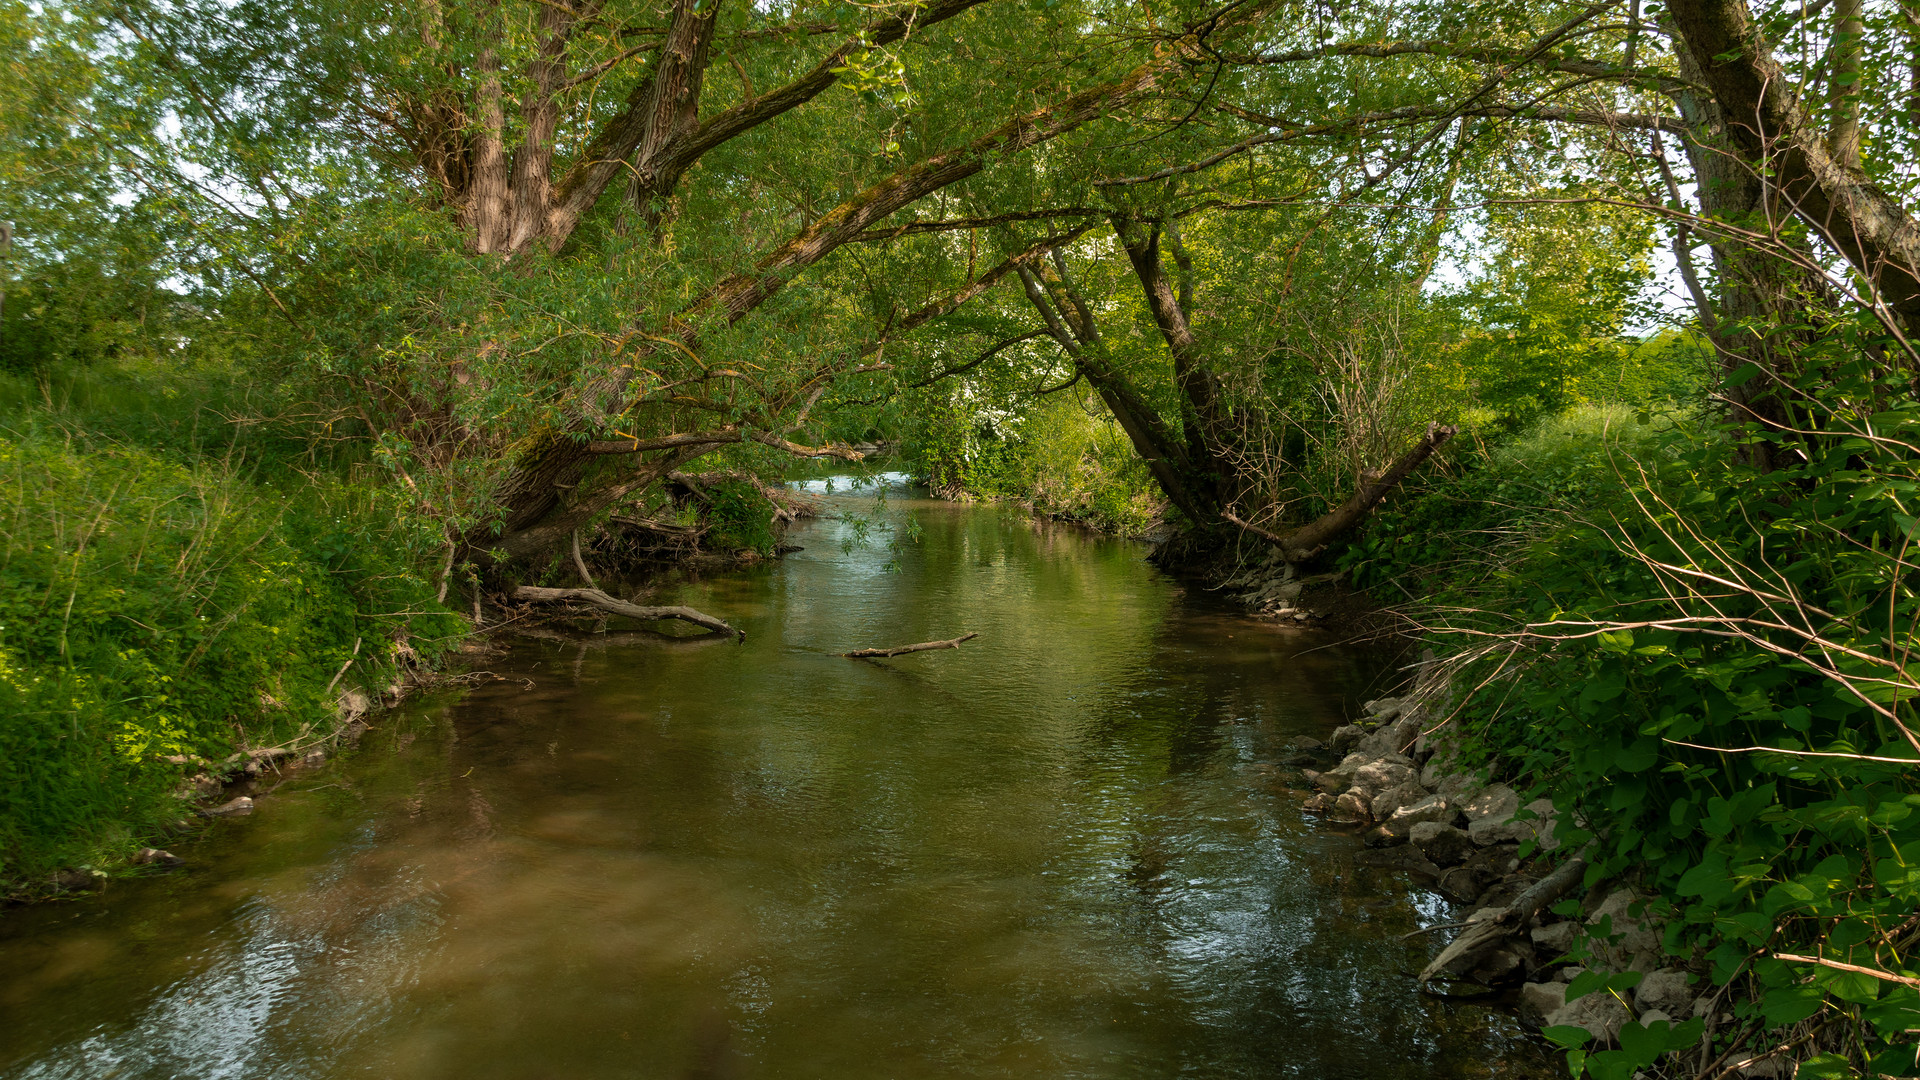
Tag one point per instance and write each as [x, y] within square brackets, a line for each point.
[1055, 455]
[1710, 669]
[150, 607]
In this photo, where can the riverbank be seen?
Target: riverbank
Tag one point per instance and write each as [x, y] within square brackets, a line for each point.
[1576, 956]
[178, 595]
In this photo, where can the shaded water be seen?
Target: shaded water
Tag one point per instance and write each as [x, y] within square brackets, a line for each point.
[1061, 851]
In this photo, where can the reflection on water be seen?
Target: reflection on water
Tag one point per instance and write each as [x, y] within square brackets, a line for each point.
[1061, 851]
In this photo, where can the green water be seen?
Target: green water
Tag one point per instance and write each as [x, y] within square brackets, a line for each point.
[1062, 851]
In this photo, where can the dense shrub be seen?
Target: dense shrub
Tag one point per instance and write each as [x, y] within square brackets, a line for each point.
[1057, 456]
[155, 607]
[1708, 667]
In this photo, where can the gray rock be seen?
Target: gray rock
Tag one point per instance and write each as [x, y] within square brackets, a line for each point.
[1395, 738]
[1497, 803]
[1653, 1016]
[1383, 709]
[352, 705]
[1305, 743]
[1318, 804]
[1503, 891]
[1498, 860]
[1556, 938]
[1327, 782]
[1349, 765]
[200, 786]
[1666, 990]
[1569, 973]
[1637, 942]
[1400, 857]
[1433, 808]
[315, 759]
[1463, 884]
[79, 880]
[1494, 828]
[1462, 788]
[1382, 837]
[1599, 1012]
[1395, 797]
[1351, 807]
[1381, 775]
[1545, 817]
[1344, 739]
[1441, 842]
[1539, 1001]
[239, 807]
[1498, 967]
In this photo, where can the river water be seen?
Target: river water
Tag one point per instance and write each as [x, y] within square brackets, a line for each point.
[1063, 850]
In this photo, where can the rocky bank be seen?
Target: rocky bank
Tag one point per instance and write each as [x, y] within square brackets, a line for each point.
[1401, 790]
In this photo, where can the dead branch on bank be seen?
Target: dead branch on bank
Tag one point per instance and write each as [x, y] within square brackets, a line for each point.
[900, 650]
[1484, 934]
[615, 606]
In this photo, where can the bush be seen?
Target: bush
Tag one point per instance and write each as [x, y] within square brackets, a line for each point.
[1054, 456]
[1710, 670]
[155, 607]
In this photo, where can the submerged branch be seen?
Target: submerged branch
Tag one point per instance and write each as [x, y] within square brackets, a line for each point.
[899, 650]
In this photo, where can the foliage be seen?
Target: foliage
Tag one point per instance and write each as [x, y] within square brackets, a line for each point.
[1061, 455]
[158, 604]
[1741, 740]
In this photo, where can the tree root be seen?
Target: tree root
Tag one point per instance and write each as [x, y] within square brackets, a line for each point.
[615, 606]
[898, 650]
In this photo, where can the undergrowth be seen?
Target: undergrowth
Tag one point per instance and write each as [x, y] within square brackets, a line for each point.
[1709, 668]
[171, 599]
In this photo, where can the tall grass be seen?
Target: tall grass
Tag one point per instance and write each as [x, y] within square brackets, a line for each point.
[180, 597]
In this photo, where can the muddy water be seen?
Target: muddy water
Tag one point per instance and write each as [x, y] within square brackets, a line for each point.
[1061, 851]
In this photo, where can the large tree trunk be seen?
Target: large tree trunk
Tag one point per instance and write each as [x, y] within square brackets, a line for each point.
[1203, 410]
[531, 503]
[1761, 307]
[1766, 121]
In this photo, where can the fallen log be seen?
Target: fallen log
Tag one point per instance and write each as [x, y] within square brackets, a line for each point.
[615, 606]
[899, 650]
[1483, 934]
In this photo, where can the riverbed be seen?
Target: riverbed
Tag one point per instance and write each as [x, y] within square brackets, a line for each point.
[1065, 849]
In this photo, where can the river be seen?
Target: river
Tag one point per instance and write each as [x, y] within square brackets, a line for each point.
[1063, 850]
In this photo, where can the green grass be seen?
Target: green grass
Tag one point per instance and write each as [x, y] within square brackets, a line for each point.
[164, 593]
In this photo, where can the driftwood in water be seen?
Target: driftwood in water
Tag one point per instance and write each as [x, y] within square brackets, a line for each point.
[1483, 934]
[898, 650]
[615, 606]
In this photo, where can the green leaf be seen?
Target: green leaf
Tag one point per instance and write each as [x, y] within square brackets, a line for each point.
[1784, 1005]
[1644, 1044]
[1613, 1065]
[1567, 1035]
[1824, 1067]
[1586, 983]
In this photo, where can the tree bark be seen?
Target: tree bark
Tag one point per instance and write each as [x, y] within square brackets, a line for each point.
[1210, 437]
[1765, 120]
[1480, 936]
[1309, 540]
